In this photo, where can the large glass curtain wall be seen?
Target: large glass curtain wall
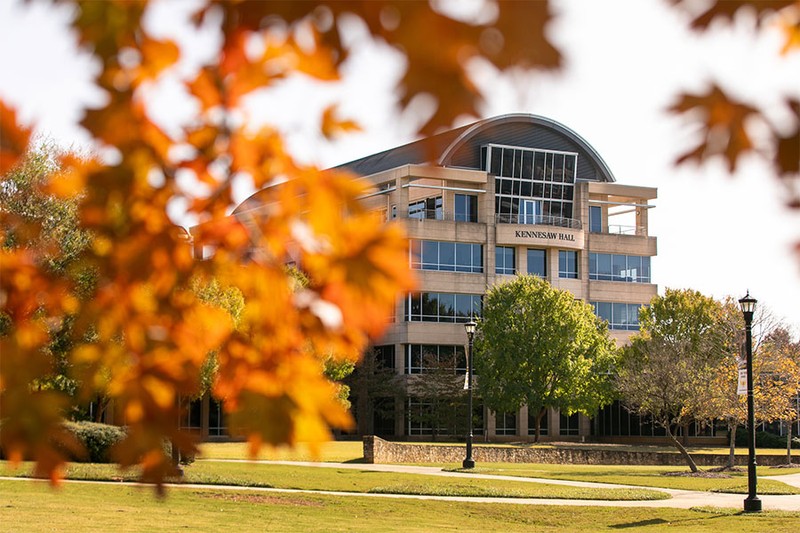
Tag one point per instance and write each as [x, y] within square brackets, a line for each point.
[532, 186]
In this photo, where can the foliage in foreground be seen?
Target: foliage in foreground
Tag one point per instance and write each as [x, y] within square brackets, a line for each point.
[148, 346]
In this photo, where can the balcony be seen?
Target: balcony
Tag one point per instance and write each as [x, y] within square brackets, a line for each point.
[543, 220]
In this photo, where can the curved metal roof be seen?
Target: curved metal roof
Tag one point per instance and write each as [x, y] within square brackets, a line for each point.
[461, 148]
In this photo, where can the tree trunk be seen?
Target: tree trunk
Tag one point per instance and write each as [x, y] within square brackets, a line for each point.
[681, 449]
[732, 454]
[541, 413]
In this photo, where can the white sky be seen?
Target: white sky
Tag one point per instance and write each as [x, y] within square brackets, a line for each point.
[624, 62]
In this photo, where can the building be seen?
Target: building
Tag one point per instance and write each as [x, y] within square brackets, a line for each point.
[512, 194]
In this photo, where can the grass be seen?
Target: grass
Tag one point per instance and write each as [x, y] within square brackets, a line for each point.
[643, 476]
[329, 452]
[347, 480]
[34, 507]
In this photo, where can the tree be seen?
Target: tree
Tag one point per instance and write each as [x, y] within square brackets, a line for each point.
[537, 345]
[153, 333]
[723, 402]
[666, 368]
[46, 229]
[783, 360]
[374, 387]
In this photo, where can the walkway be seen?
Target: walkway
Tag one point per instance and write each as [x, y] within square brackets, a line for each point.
[683, 499]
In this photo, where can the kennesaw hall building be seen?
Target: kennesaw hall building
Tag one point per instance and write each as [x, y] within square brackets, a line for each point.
[514, 194]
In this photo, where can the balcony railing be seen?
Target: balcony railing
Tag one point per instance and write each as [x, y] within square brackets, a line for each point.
[616, 229]
[544, 220]
[438, 214]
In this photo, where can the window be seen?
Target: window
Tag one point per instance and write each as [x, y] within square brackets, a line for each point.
[466, 208]
[505, 424]
[567, 264]
[611, 267]
[569, 424]
[419, 356]
[429, 208]
[532, 422]
[447, 256]
[384, 356]
[595, 219]
[420, 417]
[504, 260]
[191, 416]
[217, 419]
[537, 262]
[532, 186]
[619, 315]
[442, 307]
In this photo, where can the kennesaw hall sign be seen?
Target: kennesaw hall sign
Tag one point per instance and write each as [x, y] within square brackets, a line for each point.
[549, 237]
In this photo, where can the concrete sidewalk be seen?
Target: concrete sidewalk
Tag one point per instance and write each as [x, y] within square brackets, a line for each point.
[683, 499]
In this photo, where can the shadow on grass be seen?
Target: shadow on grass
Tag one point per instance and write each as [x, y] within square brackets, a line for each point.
[359, 460]
[640, 523]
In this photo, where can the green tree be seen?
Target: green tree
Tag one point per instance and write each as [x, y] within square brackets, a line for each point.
[666, 368]
[46, 227]
[537, 345]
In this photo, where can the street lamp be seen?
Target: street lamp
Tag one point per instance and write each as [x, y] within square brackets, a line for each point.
[468, 462]
[751, 503]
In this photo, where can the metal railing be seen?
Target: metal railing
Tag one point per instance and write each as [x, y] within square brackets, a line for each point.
[544, 220]
[617, 229]
[439, 214]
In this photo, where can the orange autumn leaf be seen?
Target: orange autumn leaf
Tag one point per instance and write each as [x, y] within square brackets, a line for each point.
[723, 121]
[14, 138]
[333, 126]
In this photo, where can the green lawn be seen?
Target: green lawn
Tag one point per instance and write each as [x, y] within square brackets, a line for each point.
[347, 480]
[329, 452]
[29, 506]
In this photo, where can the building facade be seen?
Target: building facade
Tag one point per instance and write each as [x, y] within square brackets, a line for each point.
[515, 194]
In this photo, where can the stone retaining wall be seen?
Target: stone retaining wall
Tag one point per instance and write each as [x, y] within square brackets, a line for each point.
[377, 450]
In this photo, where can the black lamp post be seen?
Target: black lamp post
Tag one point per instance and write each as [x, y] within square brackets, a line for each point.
[751, 503]
[468, 462]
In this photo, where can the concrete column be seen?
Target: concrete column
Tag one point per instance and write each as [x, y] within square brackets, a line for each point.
[522, 427]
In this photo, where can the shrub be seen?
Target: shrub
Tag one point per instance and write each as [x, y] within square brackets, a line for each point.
[764, 439]
[97, 439]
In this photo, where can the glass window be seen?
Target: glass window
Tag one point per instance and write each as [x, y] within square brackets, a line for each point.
[442, 307]
[610, 267]
[466, 208]
[416, 210]
[567, 264]
[569, 424]
[505, 424]
[447, 307]
[595, 219]
[537, 262]
[619, 315]
[532, 422]
[619, 267]
[420, 357]
[504, 260]
[447, 256]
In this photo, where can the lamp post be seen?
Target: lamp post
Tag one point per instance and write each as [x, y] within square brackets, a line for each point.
[751, 503]
[468, 462]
